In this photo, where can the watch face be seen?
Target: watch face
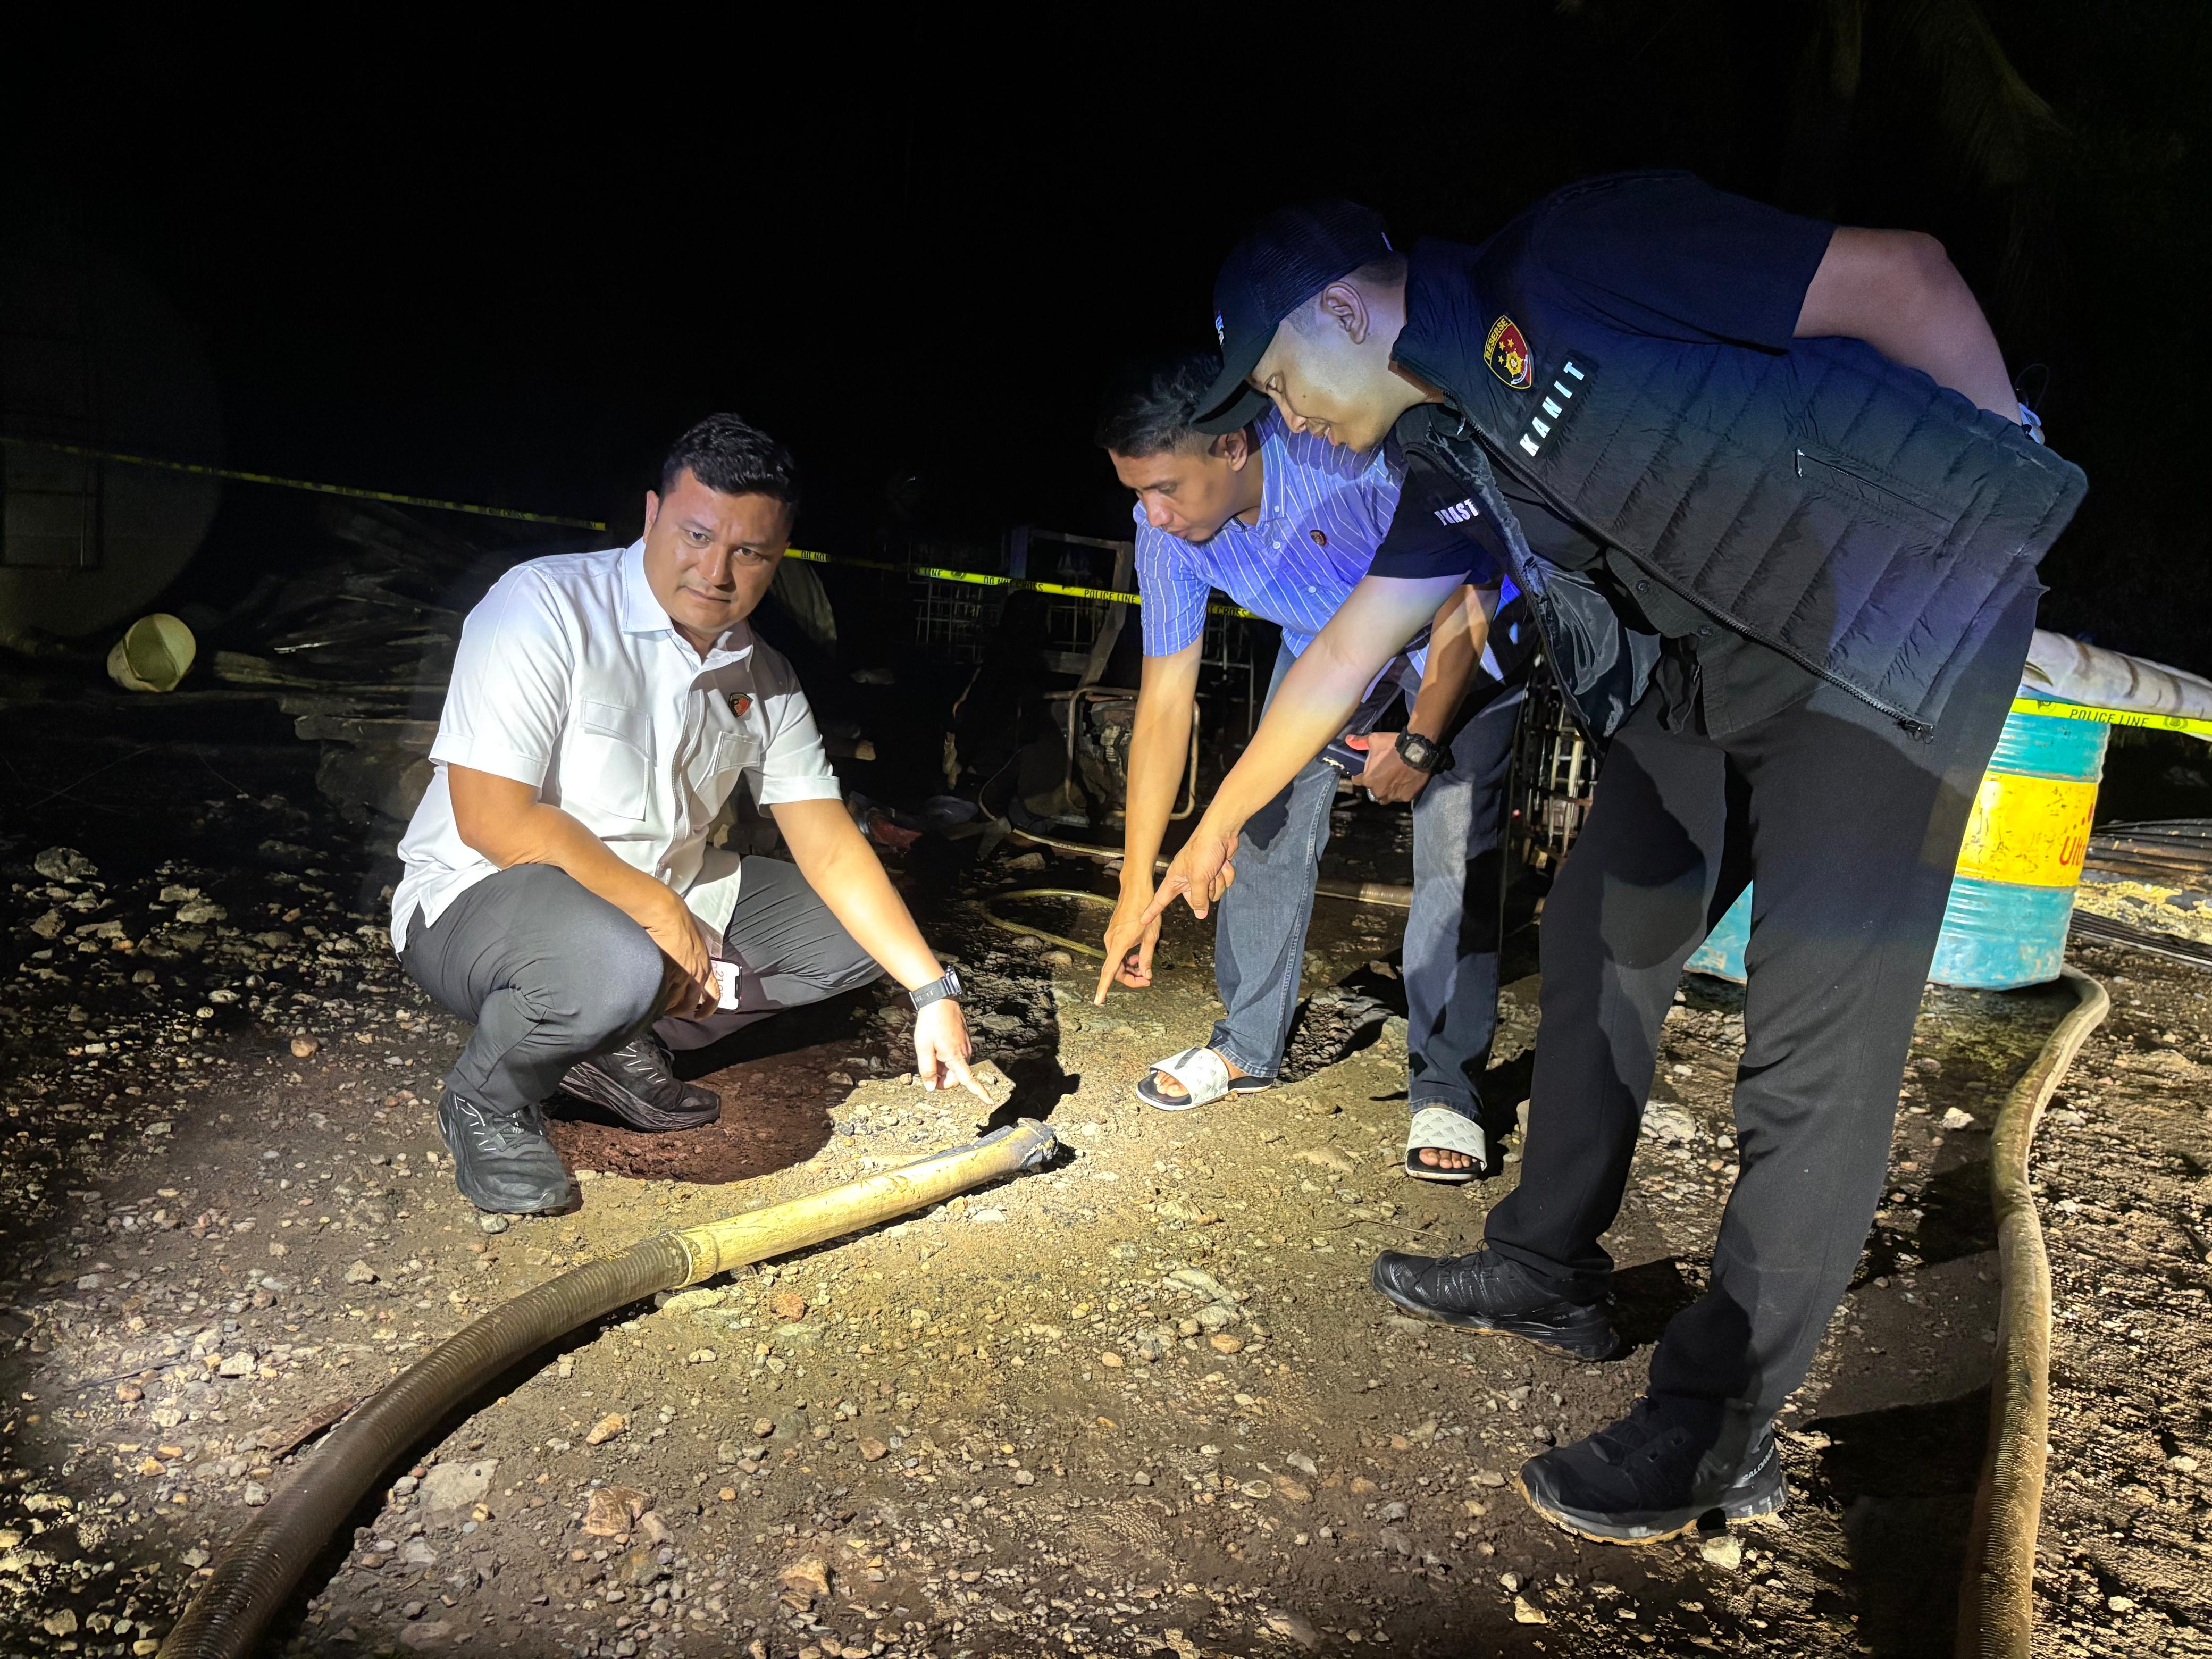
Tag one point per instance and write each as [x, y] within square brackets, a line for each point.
[1422, 754]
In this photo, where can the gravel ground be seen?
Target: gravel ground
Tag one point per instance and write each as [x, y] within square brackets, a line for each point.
[1140, 1403]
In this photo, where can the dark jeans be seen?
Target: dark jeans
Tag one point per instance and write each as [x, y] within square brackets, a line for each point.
[1848, 829]
[550, 973]
[1451, 935]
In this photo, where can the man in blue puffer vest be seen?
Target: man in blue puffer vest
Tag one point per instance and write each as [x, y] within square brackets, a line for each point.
[1766, 485]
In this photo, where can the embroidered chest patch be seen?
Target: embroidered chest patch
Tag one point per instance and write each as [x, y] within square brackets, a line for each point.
[1506, 351]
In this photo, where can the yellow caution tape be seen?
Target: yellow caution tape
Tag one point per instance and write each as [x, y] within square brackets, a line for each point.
[2075, 711]
[2029, 831]
[933, 573]
[982, 579]
[238, 477]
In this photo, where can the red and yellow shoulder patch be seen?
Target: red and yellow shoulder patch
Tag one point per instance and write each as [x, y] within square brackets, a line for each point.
[1506, 351]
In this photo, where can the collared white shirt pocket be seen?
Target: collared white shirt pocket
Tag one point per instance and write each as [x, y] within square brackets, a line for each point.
[610, 761]
[724, 758]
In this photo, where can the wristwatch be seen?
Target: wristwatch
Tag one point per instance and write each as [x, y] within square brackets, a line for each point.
[945, 985]
[1423, 754]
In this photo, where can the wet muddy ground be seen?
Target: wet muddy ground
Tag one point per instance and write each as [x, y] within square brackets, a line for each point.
[1140, 1403]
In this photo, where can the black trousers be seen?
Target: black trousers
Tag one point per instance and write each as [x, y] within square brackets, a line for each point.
[550, 973]
[1848, 829]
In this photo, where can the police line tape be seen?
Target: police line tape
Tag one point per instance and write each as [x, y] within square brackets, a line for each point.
[2075, 711]
[933, 573]
[1020, 584]
[1062, 590]
[197, 469]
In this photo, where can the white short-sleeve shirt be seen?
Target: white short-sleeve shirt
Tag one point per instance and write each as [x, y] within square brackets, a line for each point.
[571, 678]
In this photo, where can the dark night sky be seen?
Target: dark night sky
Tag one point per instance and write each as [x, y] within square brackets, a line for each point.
[511, 276]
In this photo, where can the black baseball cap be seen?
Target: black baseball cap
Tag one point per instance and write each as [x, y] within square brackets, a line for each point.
[1290, 256]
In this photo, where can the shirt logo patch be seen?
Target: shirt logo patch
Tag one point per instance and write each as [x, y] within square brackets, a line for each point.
[741, 702]
[1220, 329]
[1318, 538]
[1457, 513]
[1506, 351]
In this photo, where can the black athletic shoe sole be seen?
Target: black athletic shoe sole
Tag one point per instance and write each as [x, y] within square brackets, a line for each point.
[587, 1082]
[1582, 1333]
[1764, 1496]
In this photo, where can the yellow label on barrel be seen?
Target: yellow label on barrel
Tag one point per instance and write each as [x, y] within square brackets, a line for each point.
[2030, 832]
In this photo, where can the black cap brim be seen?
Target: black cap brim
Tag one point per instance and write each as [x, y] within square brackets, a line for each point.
[1241, 351]
[1244, 406]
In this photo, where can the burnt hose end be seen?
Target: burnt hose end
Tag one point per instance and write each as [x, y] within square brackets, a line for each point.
[231, 1614]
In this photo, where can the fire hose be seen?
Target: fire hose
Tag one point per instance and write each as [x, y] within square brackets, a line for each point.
[1997, 1614]
[232, 1612]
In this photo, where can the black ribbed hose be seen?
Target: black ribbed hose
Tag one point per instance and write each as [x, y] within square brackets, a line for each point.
[228, 1617]
[233, 1608]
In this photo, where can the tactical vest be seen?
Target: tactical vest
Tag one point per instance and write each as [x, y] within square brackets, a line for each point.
[1834, 505]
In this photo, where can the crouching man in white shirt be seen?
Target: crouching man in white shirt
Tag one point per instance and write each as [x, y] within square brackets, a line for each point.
[560, 891]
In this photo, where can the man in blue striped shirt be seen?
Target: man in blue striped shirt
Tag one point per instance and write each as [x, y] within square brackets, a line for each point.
[1285, 524]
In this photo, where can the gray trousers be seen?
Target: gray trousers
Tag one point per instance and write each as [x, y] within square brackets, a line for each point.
[1451, 935]
[550, 973]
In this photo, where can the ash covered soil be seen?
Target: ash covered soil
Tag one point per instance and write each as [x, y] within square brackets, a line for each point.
[1142, 1403]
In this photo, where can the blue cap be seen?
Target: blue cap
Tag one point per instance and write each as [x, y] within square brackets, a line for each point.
[1290, 256]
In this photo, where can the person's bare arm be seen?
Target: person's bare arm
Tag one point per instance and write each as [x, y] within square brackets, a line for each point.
[506, 822]
[843, 869]
[1311, 707]
[1456, 637]
[1899, 291]
[1159, 749]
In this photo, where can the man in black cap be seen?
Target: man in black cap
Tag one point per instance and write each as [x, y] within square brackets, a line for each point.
[1767, 488]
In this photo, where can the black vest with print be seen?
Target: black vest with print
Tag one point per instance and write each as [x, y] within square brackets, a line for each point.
[1839, 506]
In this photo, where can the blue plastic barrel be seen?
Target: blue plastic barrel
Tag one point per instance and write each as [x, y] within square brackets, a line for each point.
[2013, 896]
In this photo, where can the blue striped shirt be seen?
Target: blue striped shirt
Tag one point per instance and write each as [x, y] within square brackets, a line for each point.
[1323, 511]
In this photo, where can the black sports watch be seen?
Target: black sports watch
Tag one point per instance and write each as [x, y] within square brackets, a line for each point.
[945, 985]
[1423, 754]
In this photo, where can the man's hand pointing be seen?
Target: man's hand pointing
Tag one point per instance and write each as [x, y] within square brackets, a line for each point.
[1201, 872]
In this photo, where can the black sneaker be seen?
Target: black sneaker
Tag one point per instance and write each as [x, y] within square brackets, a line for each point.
[1657, 1473]
[502, 1164]
[637, 1083]
[1486, 1291]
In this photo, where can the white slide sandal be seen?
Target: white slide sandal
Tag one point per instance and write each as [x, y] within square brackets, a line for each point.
[1205, 1078]
[1443, 1129]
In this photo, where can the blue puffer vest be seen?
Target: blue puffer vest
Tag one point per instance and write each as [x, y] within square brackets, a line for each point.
[1838, 507]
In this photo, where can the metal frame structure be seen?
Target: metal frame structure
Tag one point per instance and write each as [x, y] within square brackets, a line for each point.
[1554, 773]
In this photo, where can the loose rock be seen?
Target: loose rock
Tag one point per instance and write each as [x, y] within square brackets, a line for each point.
[611, 1512]
[1724, 1551]
[451, 1488]
[1295, 1628]
[803, 1582]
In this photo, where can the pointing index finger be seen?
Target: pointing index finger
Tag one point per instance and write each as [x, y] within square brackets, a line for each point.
[959, 1067]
